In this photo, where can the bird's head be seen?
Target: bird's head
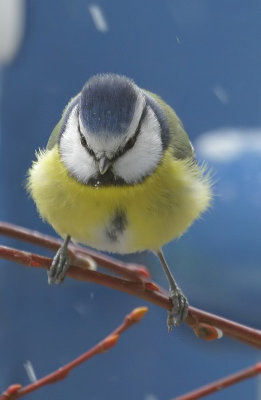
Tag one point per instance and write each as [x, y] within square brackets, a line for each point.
[112, 132]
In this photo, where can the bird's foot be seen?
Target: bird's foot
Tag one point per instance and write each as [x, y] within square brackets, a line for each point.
[179, 311]
[60, 265]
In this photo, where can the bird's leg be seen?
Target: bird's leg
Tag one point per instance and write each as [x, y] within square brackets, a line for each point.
[179, 311]
[60, 263]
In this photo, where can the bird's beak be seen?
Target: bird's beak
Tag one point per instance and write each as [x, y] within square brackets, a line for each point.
[104, 164]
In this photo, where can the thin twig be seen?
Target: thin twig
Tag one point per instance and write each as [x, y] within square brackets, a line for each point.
[128, 270]
[16, 391]
[222, 383]
[146, 290]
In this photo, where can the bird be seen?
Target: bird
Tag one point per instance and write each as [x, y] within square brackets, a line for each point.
[120, 175]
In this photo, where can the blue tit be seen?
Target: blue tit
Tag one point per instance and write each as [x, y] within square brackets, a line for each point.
[119, 174]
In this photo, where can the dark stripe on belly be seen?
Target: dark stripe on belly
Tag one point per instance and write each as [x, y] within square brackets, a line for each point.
[116, 226]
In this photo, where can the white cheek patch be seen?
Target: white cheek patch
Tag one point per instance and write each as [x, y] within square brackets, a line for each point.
[77, 160]
[132, 166]
[143, 158]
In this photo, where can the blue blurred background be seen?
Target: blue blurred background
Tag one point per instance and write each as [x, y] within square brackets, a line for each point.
[202, 57]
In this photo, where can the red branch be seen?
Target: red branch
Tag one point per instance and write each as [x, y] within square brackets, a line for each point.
[222, 383]
[16, 391]
[204, 324]
[128, 270]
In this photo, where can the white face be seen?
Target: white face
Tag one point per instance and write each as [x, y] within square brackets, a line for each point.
[133, 165]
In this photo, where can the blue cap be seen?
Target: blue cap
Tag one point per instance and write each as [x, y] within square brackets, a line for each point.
[107, 104]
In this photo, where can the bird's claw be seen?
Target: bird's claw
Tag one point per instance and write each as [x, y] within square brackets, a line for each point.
[179, 311]
[59, 267]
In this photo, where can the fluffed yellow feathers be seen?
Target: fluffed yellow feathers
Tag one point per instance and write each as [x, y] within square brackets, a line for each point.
[155, 212]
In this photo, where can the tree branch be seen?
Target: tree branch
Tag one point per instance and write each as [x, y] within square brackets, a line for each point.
[128, 270]
[16, 391]
[206, 325]
[222, 383]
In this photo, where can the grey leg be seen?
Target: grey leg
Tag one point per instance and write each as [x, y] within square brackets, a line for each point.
[60, 264]
[179, 311]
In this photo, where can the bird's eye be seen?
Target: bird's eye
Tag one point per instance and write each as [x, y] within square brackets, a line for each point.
[82, 137]
[83, 140]
[130, 143]
[85, 144]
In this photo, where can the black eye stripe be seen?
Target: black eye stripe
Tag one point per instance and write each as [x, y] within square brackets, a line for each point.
[84, 142]
[130, 143]
[137, 132]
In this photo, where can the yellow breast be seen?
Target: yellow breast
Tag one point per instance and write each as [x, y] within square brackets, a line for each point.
[121, 219]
